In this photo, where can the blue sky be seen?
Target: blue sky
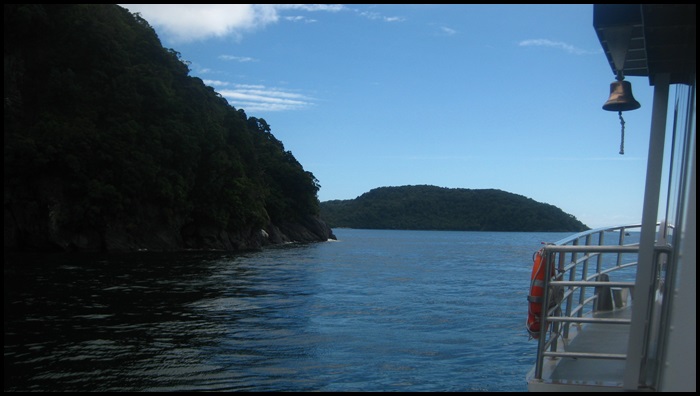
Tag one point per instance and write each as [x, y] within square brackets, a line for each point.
[460, 96]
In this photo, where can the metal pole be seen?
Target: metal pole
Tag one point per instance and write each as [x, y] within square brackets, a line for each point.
[644, 283]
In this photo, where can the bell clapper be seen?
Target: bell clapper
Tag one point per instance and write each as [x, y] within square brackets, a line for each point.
[622, 137]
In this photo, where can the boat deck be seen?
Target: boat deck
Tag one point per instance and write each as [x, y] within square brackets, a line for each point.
[582, 372]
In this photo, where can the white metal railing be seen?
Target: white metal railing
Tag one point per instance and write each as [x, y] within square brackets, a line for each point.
[586, 267]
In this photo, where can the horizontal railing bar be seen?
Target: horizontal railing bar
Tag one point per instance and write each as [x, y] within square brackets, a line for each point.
[612, 356]
[592, 283]
[592, 248]
[588, 320]
[583, 234]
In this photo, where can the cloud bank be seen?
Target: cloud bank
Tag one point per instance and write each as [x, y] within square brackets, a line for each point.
[194, 22]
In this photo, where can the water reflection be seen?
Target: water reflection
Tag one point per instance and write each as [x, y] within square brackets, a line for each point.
[375, 311]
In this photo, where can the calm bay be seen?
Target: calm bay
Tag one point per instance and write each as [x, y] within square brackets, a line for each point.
[376, 310]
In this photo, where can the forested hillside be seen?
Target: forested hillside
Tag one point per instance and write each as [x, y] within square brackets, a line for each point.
[438, 208]
[109, 144]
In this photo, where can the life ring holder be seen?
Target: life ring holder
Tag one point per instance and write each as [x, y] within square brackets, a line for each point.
[535, 297]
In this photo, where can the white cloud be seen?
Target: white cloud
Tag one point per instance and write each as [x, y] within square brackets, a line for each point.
[299, 18]
[448, 31]
[253, 98]
[238, 58]
[555, 44]
[311, 7]
[216, 83]
[376, 16]
[193, 22]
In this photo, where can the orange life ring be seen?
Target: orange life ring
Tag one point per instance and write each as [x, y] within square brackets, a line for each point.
[536, 296]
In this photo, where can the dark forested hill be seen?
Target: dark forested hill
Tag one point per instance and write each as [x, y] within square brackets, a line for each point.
[437, 208]
[109, 144]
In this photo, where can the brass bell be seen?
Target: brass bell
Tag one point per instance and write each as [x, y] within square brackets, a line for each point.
[621, 98]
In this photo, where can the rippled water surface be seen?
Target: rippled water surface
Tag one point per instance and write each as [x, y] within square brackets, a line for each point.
[374, 311]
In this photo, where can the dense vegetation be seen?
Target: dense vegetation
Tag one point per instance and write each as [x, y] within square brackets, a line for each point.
[105, 130]
[437, 208]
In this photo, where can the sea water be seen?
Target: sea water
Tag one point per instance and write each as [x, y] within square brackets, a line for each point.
[376, 310]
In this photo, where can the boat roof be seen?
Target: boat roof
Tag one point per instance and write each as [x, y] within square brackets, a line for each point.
[662, 38]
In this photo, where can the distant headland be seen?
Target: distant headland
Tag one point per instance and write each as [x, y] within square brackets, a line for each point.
[425, 207]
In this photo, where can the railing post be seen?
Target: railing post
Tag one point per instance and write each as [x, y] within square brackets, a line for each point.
[548, 297]
[599, 262]
[621, 242]
[570, 298]
[542, 341]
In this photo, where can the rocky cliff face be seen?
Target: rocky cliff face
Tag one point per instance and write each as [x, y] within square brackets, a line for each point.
[32, 231]
[308, 230]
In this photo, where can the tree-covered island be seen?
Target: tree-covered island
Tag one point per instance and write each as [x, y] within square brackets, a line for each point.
[438, 208]
[110, 145]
